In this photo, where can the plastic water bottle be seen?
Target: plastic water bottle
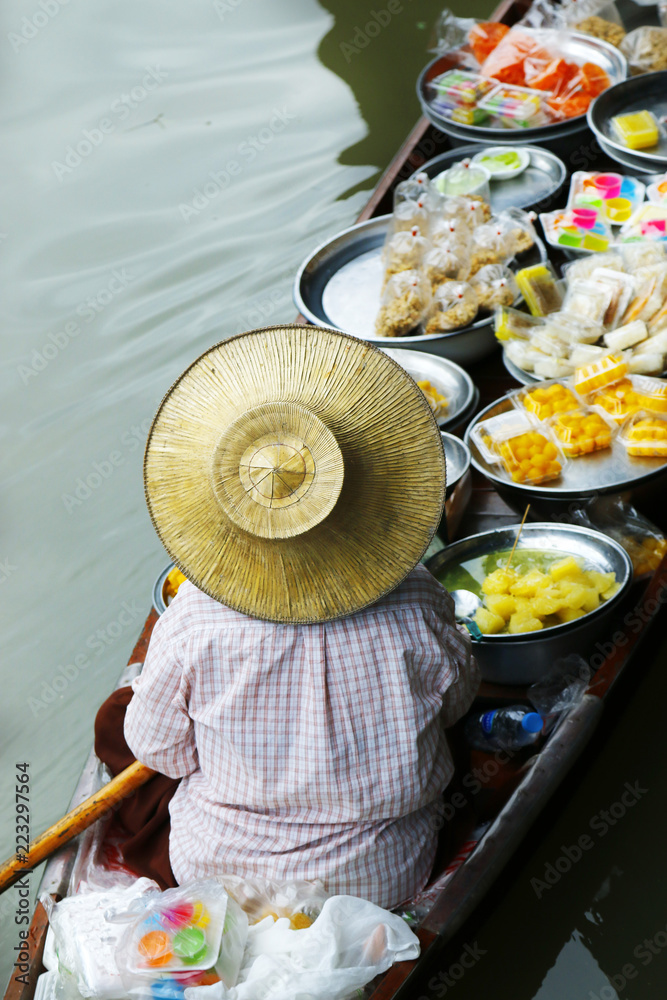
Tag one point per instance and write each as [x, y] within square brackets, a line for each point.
[503, 728]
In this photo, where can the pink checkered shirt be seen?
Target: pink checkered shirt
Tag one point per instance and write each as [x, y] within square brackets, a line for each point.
[306, 751]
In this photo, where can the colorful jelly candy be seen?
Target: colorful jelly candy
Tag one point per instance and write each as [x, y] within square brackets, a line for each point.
[190, 945]
[155, 948]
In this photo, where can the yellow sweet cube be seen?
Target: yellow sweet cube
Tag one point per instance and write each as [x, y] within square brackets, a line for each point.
[611, 591]
[569, 614]
[546, 604]
[591, 599]
[528, 585]
[501, 604]
[574, 595]
[568, 567]
[601, 581]
[499, 582]
[488, 622]
[523, 623]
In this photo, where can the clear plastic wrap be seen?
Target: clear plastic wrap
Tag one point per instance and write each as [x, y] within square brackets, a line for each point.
[621, 287]
[580, 227]
[484, 37]
[410, 214]
[562, 688]
[539, 286]
[641, 539]
[609, 369]
[544, 401]
[516, 107]
[452, 232]
[514, 324]
[444, 264]
[581, 432]
[585, 267]
[454, 306]
[451, 32]
[625, 336]
[488, 435]
[404, 251]
[602, 28]
[645, 49]
[532, 457]
[644, 435]
[495, 285]
[494, 239]
[465, 178]
[650, 293]
[521, 235]
[588, 299]
[405, 302]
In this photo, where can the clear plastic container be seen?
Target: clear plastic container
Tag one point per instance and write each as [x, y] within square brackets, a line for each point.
[638, 130]
[621, 289]
[460, 87]
[645, 435]
[586, 266]
[616, 197]
[516, 107]
[585, 354]
[618, 401]
[464, 178]
[540, 288]
[573, 329]
[652, 392]
[609, 369]
[556, 367]
[523, 354]
[581, 228]
[514, 324]
[546, 400]
[531, 458]
[626, 336]
[588, 298]
[581, 432]
[488, 434]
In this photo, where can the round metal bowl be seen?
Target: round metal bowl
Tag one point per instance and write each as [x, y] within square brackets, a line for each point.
[535, 187]
[524, 659]
[577, 47]
[159, 602]
[647, 92]
[457, 460]
[338, 285]
[447, 377]
[604, 472]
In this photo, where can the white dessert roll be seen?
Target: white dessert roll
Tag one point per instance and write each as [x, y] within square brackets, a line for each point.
[626, 336]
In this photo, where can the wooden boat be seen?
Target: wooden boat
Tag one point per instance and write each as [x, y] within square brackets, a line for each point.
[489, 826]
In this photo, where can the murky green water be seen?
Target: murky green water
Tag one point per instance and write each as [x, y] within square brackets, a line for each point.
[165, 169]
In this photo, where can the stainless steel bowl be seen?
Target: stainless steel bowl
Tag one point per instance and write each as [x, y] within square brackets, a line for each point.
[604, 472]
[577, 47]
[448, 378]
[159, 602]
[457, 459]
[524, 659]
[339, 286]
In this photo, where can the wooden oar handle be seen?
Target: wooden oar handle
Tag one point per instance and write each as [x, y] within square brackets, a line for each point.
[74, 822]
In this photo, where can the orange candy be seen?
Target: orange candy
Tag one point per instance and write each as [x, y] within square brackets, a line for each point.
[155, 948]
[484, 37]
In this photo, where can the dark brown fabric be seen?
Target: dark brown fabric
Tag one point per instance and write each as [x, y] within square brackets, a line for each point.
[144, 815]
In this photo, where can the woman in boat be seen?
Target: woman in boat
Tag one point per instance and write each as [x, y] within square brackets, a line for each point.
[298, 689]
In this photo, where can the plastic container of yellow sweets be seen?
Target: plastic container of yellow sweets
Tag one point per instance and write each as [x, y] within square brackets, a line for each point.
[488, 434]
[652, 392]
[645, 435]
[547, 399]
[580, 432]
[637, 130]
[540, 288]
[619, 401]
[513, 324]
[532, 457]
[609, 369]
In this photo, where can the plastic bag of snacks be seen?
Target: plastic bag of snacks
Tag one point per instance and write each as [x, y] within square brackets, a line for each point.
[454, 306]
[465, 178]
[405, 302]
[299, 901]
[410, 213]
[444, 264]
[495, 285]
[404, 251]
[646, 49]
[453, 232]
[641, 539]
[520, 231]
[193, 928]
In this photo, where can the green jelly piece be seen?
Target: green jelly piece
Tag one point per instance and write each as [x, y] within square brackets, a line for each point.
[190, 945]
[594, 242]
[570, 239]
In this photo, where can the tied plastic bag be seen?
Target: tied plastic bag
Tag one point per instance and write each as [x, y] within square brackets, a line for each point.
[452, 232]
[495, 285]
[444, 264]
[455, 305]
[193, 928]
[495, 238]
[561, 689]
[299, 901]
[420, 189]
[87, 933]
[350, 943]
[520, 230]
[404, 250]
[646, 49]
[451, 32]
[405, 302]
[641, 539]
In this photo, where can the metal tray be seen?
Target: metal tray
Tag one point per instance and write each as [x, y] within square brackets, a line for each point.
[448, 378]
[525, 378]
[339, 285]
[610, 471]
[577, 47]
[647, 92]
[628, 160]
[457, 459]
[159, 602]
[534, 188]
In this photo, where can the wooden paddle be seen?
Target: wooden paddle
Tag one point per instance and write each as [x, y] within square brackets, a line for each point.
[74, 822]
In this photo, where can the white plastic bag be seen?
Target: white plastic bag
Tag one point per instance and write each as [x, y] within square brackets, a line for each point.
[350, 943]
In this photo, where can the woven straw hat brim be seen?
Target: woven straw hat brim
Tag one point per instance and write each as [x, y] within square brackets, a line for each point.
[393, 485]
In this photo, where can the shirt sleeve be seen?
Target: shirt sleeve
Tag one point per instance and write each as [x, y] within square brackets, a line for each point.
[459, 695]
[158, 728]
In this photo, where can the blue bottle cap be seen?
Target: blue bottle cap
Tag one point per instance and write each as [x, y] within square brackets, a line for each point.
[532, 722]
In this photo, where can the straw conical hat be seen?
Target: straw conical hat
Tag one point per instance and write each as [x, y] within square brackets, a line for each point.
[295, 473]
